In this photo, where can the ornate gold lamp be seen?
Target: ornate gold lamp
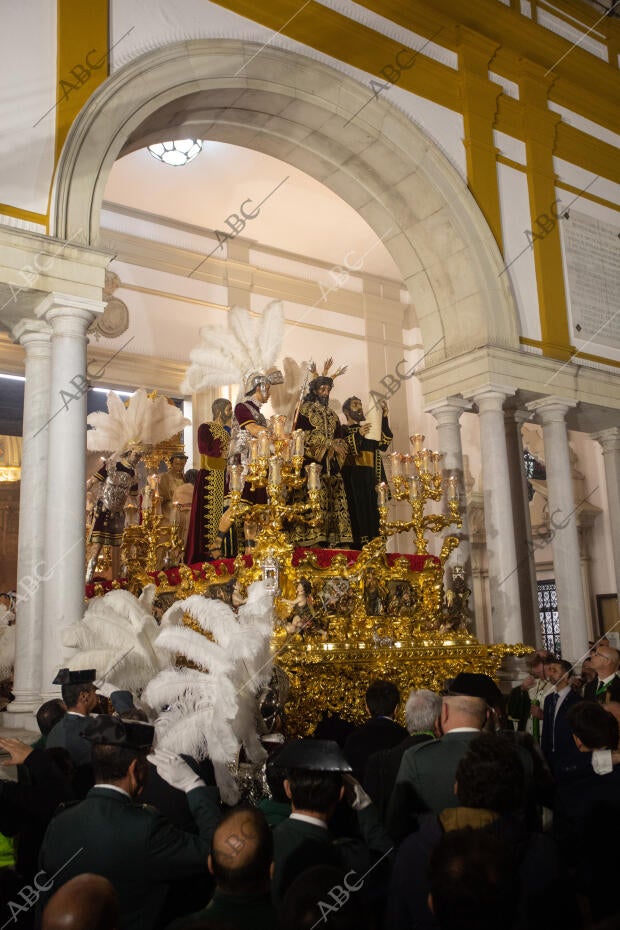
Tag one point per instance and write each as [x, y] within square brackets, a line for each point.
[418, 479]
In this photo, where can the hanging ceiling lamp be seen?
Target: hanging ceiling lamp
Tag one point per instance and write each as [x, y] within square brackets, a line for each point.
[177, 153]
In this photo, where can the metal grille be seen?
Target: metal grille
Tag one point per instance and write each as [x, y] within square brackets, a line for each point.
[549, 618]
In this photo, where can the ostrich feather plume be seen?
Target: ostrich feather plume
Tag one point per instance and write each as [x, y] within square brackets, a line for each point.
[117, 637]
[212, 709]
[144, 421]
[226, 356]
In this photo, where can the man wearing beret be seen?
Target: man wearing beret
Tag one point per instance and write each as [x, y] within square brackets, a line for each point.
[130, 844]
[425, 780]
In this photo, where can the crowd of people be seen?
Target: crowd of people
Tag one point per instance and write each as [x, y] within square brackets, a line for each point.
[466, 818]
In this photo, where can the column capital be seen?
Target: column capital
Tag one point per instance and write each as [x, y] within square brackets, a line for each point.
[27, 332]
[68, 314]
[609, 439]
[449, 410]
[491, 397]
[551, 409]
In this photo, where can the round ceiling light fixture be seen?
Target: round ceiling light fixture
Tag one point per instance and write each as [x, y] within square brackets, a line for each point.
[177, 153]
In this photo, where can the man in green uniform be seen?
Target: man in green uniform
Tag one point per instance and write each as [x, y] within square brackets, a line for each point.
[80, 696]
[318, 776]
[130, 844]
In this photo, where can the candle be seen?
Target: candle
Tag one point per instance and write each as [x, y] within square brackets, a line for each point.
[436, 458]
[414, 489]
[396, 460]
[277, 425]
[382, 494]
[236, 481]
[425, 457]
[453, 489]
[285, 451]
[275, 470]
[298, 442]
[416, 440]
[314, 476]
[263, 444]
[408, 465]
[253, 449]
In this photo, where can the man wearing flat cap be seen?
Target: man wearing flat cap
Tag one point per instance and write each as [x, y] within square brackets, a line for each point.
[317, 777]
[80, 696]
[132, 845]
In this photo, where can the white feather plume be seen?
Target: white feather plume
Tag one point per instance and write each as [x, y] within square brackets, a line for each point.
[212, 710]
[226, 356]
[117, 635]
[144, 421]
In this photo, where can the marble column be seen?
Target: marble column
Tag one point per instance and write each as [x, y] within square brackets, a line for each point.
[447, 415]
[609, 440]
[526, 565]
[498, 519]
[34, 336]
[69, 318]
[563, 516]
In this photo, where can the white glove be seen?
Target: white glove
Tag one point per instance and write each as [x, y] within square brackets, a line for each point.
[106, 688]
[602, 761]
[354, 793]
[175, 771]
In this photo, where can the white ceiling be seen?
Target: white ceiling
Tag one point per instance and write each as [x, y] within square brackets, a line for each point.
[302, 216]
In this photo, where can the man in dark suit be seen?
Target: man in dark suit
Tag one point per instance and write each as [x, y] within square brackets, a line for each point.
[422, 712]
[380, 732]
[132, 845]
[317, 778]
[606, 686]
[557, 743]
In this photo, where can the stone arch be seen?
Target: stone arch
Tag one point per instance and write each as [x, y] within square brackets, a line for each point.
[301, 111]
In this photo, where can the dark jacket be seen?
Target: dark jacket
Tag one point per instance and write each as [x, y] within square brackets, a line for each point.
[252, 910]
[382, 768]
[376, 734]
[133, 846]
[543, 885]
[557, 743]
[611, 692]
[299, 845]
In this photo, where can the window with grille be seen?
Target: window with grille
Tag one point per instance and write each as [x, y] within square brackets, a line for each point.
[549, 619]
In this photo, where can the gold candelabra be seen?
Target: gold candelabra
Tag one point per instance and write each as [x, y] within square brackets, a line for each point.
[417, 478]
[280, 473]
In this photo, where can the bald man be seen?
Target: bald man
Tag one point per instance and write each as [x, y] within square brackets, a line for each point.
[606, 686]
[241, 862]
[86, 902]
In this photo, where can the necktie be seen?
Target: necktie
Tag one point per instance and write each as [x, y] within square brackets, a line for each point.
[554, 704]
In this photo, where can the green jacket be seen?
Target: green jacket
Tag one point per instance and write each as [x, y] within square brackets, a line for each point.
[132, 845]
[255, 911]
[299, 845]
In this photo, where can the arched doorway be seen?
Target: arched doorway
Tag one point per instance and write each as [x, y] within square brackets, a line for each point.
[284, 104]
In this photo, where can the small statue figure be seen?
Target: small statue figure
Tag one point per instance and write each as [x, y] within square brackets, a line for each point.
[456, 613]
[302, 618]
[117, 478]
